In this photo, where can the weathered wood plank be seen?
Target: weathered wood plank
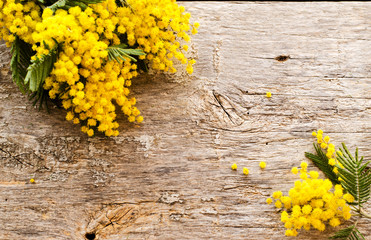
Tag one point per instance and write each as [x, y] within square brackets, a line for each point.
[170, 177]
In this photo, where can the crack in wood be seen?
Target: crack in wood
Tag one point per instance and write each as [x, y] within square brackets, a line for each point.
[217, 98]
[121, 215]
[16, 157]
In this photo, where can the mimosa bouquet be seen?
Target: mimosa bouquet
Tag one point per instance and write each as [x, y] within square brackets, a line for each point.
[83, 54]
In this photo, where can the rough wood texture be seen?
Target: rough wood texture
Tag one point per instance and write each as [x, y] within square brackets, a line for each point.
[170, 177]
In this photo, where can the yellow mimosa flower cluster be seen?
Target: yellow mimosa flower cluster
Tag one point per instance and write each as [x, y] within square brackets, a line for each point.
[18, 18]
[324, 143]
[312, 203]
[149, 26]
[91, 87]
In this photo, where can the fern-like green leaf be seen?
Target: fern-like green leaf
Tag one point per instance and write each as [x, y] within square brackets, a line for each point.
[58, 4]
[40, 69]
[21, 59]
[120, 52]
[321, 161]
[349, 233]
[356, 178]
[66, 4]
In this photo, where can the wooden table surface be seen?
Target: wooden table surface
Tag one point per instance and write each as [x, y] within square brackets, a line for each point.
[170, 177]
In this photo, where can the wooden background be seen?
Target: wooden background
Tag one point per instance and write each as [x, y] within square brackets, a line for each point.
[170, 177]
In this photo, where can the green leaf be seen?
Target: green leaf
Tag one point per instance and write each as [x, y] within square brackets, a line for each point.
[25, 73]
[21, 59]
[58, 4]
[348, 233]
[321, 161]
[119, 52]
[40, 69]
[66, 4]
[356, 180]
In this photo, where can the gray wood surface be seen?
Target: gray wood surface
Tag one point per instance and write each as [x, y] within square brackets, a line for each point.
[170, 177]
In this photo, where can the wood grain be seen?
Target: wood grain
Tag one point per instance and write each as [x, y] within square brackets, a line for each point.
[170, 177]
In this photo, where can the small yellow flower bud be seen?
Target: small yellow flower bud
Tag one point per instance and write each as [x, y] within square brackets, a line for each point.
[348, 197]
[304, 165]
[139, 119]
[294, 170]
[234, 166]
[314, 174]
[277, 194]
[262, 165]
[278, 204]
[90, 132]
[331, 161]
[303, 176]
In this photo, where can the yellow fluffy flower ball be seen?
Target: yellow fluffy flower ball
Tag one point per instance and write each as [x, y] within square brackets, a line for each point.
[262, 165]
